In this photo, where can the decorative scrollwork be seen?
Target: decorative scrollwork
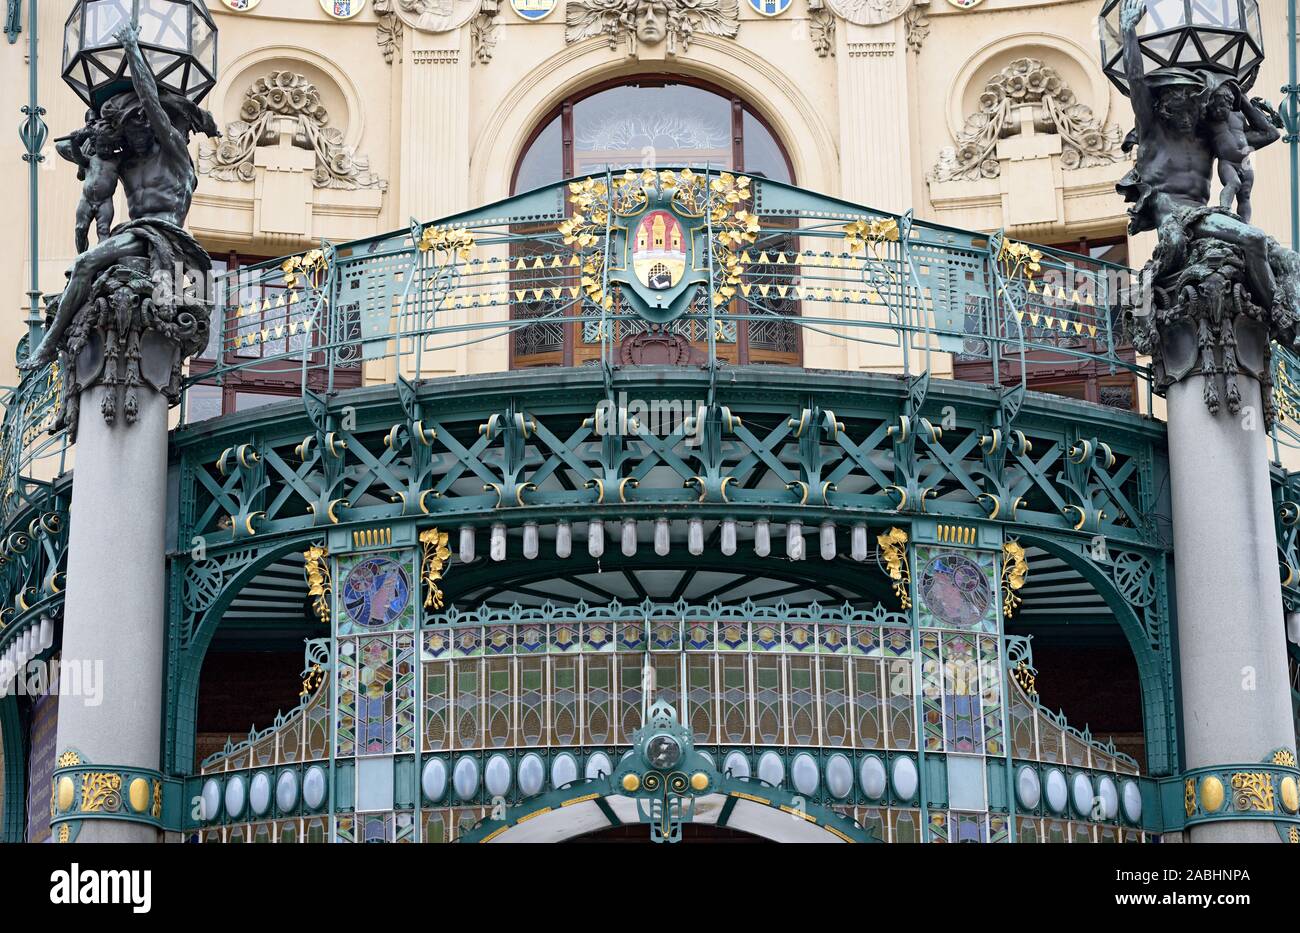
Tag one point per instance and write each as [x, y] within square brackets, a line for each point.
[1252, 790]
[435, 557]
[1135, 577]
[101, 790]
[893, 551]
[317, 570]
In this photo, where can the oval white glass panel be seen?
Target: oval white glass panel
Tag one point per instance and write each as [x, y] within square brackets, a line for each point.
[871, 775]
[532, 774]
[259, 793]
[905, 778]
[839, 776]
[771, 768]
[465, 778]
[433, 779]
[805, 774]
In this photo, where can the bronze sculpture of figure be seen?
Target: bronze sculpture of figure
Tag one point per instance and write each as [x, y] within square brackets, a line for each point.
[158, 177]
[95, 149]
[1218, 287]
[1236, 130]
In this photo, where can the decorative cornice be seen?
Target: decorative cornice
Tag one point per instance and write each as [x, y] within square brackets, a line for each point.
[435, 56]
[872, 50]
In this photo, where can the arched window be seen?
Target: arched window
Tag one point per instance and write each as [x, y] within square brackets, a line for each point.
[652, 120]
[637, 123]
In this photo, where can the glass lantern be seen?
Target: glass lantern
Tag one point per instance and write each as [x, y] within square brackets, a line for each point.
[1222, 36]
[177, 37]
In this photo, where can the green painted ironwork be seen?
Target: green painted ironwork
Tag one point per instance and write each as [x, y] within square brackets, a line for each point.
[33, 133]
[274, 493]
[13, 802]
[478, 280]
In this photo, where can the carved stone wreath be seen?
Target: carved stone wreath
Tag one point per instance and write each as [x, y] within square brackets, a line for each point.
[1027, 81]
[286, 94]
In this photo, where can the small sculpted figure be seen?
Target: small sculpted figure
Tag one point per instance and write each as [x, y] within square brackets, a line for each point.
[1236, 129]
[95, 150]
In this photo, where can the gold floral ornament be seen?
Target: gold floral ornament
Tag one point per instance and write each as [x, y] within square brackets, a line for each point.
[1020, 260]
[860, 234]
[1284, 757]
[1015, 570]
[1189, 796]
[435, 557]
[156, 810]
[69, 759]
[315, 677]
[307, 269]
[1252, 790]
[893, 551]
[584, 228]
[1285, 395]
[101, 790]
[456, 241]
[1023, 674]
[316, 568]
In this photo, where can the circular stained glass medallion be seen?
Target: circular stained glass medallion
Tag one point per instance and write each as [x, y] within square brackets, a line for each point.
[376, 592]
[955, 589]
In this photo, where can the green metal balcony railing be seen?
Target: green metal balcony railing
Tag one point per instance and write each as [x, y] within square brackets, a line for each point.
[478, 289]
[512, 276]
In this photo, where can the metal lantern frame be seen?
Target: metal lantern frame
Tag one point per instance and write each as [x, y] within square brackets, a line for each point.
[1220, 36]
[177, 37]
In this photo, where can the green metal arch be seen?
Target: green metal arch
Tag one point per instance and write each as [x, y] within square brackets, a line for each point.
[598, 790]
[182, 707]
[1155, 667]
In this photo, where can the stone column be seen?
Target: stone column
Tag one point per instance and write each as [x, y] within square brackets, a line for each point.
[115, 610]
[1231, 641]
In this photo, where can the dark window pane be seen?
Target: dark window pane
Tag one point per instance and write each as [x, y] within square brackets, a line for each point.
[201, 402]
[543, 163]
[246, 400]
[763, 156]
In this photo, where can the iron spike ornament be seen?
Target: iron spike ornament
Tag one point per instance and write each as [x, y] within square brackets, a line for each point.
[177, 37]
[1219, 36]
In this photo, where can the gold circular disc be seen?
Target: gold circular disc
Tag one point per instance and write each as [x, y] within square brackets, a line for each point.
[699, 780]
[138, 793]
[1290, 794]
[631, 782]
[1211, 794]
[65, 793]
